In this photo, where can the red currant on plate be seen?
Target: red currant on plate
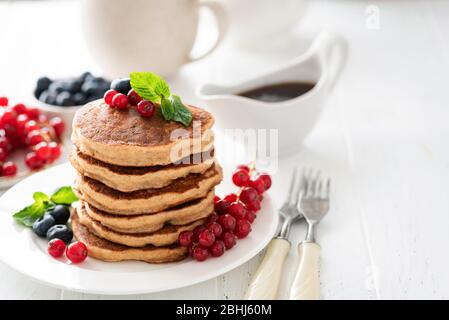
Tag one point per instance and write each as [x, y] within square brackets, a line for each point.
[32, 161]
[212, 218]
[250, 216]
[146, 108]
[237, 209]
[216, 199]
[31, 126]
[200, 253]
[3, 101]
[197, 230]
[227, 222]
[243, 167]
[216, 228]
[3, 155]
[242, 228]
[221, 207]
[108, 95]
[9, 169]
[232, 197]
[206, 238]
[133, 97]
[258, 184]
[33, 113]
[58, 125]
[229, 240]
[56, 248]
[217, 249]
[266, 178]
[43, 151]
[185, 238]
[248, 194]
[120, 101]
[34, 137]
[240, 178]
[20, 108]
[55, 151]
[76, 252]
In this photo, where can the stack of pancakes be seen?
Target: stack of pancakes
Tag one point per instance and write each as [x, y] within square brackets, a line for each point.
[141, 181]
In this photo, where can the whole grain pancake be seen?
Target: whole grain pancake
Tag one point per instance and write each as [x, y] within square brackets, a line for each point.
[182, 190]
[105, 250]
[129, 179]
[124, 138]
[179, 215]
[163, 237]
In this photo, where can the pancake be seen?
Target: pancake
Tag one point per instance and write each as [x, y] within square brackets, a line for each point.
[182, 190]
[109, 251]
[129, 179]
[163, 237]
[180, 215]
[124, 138]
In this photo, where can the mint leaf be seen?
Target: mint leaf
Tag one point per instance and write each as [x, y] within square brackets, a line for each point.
[31, 213]
[167, 108]
[149, 86]
[181, 112]
[64, 195]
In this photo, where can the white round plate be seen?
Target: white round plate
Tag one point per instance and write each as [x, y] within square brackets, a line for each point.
[23, 251]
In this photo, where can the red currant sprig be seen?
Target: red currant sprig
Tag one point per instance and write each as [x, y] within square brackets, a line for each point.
[120, 101]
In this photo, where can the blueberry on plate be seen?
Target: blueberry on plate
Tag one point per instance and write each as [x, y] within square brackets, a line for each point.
[60, 231]
[79, 98]
[41, 85]
[60, 213]
[48, 97]
[64, 99]
[43, 224]
[121, 85]
[56, 87]
[85, 76]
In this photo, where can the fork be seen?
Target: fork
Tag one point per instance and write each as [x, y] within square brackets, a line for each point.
[265, 283]
[314, 205]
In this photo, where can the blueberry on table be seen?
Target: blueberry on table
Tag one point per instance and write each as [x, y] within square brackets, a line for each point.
[121, 85]
[43, 224]
[64, 99]
[60, 213]
[60, 231]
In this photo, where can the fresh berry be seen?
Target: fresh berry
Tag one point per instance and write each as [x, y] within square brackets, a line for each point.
[3, 155]
[190, 249]
[240, 178]
[33, 113]
[60, 213]
[3, 101]
[56, 248]
[8, 117]
[254, 205]
[43, 151]
[206, 238]
[237, 209]
[108, 95]
[232, 197]
[212, 218]
[20, 108]
[248, 195]
[34, 137]
[216, 199]
[266, 178]
[133, 97]
[200, 253]
[242, 228]
[31, 126]
[121, 85]
[229, 240]
[58, 125]
[76, 252]
[60, 231]
[197, 230]
[216, 228]
[64, 99]
[146, 108]
[221, 207]
[217, 249]
[243, 167]
[258, 184]
[32, 161]
[120, 101]
[9, 169]
[55, 151]
[250, 216]
[4, 143]
[185, 238]
[227, 222]
[42, 225]
[21, 121]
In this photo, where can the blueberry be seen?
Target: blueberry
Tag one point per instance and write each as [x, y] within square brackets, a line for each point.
[48, 97]
[88, 87]
[60, 213]
[56, 87]
[72, 86]
[41, 85]
[85, 76]
[121, 85]
[79, 98]
[43, 224]
[64, 99]
[60, 231]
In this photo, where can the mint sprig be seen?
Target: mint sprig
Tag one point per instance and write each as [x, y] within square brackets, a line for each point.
[42, 203]
[151, 87]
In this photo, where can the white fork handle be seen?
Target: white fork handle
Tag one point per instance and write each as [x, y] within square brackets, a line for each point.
[306, 285]
[265, 283]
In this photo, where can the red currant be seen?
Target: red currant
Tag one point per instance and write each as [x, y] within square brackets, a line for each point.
[76, 252]
[43, 151]
[190, 249]
[42, 119]
[9, 169]
[254, 205]
[243, 167]
[216, 199]
[21, 120]
[8, 117]
[120, 101]
[232, 197]
[242, 228]
[33, 113]
[30, 126]
[248, 195]
[216, 228]
[55, 151]
[20, 108]
[197, 230]
[206, 238]
[34, 137]
[56, 248]
[217, 249]
[229, 240]
[258, 184]
[237, 210]
[3, 101]
[58, 125]
[266, 178]
[133, 97]
[200, 253]
[4, 143]
[185, 238]
[212, 218]
[227, 222]
[250, 216]
[33, 161]
[146, 108]
[240, 178]
[108, 95]
[221, 207]
[3, 155]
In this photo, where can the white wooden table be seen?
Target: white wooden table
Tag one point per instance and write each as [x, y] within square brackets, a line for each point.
[382, 138]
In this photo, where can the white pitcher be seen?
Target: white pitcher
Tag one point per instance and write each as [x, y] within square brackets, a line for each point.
[145, 35]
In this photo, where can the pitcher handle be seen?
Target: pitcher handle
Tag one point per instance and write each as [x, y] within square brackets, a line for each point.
[222, 21]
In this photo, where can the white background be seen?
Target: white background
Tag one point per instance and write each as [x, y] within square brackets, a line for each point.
[382, 138]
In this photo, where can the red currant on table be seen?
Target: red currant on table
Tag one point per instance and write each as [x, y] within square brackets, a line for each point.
[216, 228]
[229, 240]
[58, 125]
[31, 126]
[9, 169]
[56, 248]
[55, 151]
[33, 113]
[241, 178]
[33, 161]
[34, 137]
[3, 101]
[217, 249]
[76, 252]
[242, 228]
[8, 117]
[227, 222]
[258, 184]
[120, 101]
[43, 151]
[146, 108]
[108, 95]
[200, 253]
[237, 209]
[266, 178]
[133, 97]
[206, 238]
[20, 108]
[221, 207]
[185, 238]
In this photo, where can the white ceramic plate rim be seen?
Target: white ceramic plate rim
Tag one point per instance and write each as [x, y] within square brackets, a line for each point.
[26, 253]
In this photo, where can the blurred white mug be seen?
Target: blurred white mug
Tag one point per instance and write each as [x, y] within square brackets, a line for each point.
[260, 23]
[145, 35]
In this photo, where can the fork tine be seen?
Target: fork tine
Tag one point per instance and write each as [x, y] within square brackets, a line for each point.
[300, 189]
[319, 188]
[328, 188]
[314, 183]
[292, 186]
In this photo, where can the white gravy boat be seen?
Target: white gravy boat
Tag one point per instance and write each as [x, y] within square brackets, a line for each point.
[294, 118]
